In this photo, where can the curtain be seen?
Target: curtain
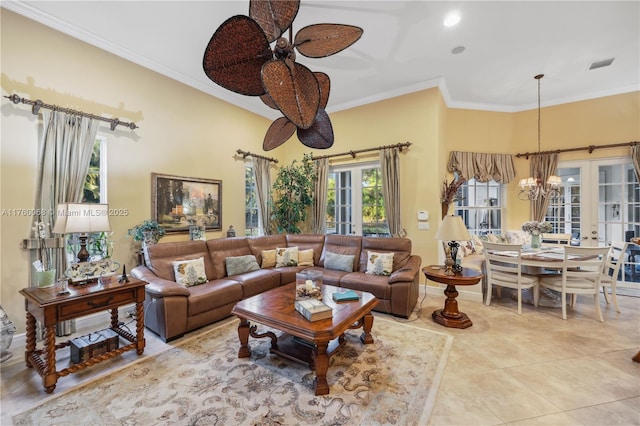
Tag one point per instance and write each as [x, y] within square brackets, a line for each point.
[262, 173]
[390, 166]
[635, 156]
[482, 166]
[63, 162]
[542, 166]
[319, 216]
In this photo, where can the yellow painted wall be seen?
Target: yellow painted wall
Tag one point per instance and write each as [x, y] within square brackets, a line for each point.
[185, 132]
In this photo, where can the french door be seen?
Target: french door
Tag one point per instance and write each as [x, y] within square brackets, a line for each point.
[355, 203]
[599, 202]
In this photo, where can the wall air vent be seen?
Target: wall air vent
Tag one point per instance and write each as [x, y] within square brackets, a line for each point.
[600, 64]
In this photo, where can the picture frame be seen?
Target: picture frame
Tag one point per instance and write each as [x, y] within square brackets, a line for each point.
[178, 202]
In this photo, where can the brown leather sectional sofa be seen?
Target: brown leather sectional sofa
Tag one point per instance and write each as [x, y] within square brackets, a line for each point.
[172, 309]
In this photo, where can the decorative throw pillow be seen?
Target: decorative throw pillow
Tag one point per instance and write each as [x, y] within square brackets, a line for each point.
[190, 272]
[241, 264]
[478, 246]
[379, 263]
[339, 262]
[268, 258]
[286, 256]
[305, 257]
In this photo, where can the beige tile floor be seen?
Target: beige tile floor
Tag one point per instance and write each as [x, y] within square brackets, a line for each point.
[534, 369]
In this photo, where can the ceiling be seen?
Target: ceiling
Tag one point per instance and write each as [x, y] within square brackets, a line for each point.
[404, 48]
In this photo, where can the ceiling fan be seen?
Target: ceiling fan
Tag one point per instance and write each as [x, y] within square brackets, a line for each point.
[239, 57]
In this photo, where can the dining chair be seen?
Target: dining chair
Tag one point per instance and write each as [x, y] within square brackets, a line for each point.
[612, 265]
[556, 238]
[503, 263]
[582, 270]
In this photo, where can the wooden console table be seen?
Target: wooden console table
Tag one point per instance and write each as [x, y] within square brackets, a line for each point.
[449, 316]
[45, 306]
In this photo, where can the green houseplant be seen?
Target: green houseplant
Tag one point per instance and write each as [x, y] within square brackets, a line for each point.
[292, 195]
[148, 232]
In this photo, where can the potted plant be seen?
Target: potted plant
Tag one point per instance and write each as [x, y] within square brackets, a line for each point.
[292, 195]
[148, 232]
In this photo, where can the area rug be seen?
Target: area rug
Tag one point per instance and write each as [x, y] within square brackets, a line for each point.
[202, 381]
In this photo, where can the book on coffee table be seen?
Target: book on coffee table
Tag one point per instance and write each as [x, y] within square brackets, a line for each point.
[313, 309]
[345, 296]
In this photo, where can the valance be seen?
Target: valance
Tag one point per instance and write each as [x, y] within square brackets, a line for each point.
[482, 166]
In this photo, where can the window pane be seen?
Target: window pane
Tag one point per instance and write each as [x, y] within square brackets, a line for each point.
[480, 207]
[252, 213]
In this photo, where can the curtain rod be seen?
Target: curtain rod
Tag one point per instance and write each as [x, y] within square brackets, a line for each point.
[358, 151]
[246, 154]
[37, 104]
[589, 148]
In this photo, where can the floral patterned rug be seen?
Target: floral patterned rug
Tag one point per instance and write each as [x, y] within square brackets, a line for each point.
[202, 381]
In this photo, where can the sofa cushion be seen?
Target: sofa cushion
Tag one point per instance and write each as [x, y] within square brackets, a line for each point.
[341, 244]
[378, 285]
[190, 272]
[221, 248]
[339, 262]
[268, 258]
[241, 264]
[286, 256]
[305, 257]
[267, 242]
[379, 263]
[213, 293]
[257, 282]
[307, 241]
[162, 255]
[400, 247]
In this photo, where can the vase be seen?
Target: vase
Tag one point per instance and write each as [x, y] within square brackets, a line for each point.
[46, 278]
[535, 241]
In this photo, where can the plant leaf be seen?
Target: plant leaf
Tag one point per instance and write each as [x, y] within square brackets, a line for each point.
[320, 40]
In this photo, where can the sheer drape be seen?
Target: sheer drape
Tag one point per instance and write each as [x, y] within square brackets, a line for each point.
[319, 220]
[482, 166]
[390, 167]
[262, 173]
[63, 161]
[635, 156]
[542, 166]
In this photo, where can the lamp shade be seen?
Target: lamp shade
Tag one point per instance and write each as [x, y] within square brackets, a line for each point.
[88, 218]
[452, 228]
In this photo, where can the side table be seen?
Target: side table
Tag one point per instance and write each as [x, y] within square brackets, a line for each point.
[449, 316]
[44, 305]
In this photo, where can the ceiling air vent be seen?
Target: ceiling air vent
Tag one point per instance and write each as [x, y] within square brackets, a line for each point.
[600, 64]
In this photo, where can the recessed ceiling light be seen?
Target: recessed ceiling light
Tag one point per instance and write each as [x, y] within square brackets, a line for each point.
[457, 49]
[601, 64]
[451, 19]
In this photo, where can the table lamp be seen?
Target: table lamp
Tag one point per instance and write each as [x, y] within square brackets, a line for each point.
[82, 219]
[452, 229]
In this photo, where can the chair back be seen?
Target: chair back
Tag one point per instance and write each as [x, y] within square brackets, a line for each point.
[502, 257]
[615, 259]
[584, 263]
[556, 238]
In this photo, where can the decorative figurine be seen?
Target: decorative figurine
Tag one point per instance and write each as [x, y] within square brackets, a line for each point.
[123, 278]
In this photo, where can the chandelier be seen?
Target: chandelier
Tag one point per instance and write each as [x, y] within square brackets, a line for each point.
[533, 188]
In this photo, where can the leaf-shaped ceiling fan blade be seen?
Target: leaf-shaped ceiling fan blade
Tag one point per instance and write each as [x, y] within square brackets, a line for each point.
[279, 132]
[320, 40]
[266, 99]
[295, 91]
[274, 16]
[235, 55]
[320, 134]
[324, 83]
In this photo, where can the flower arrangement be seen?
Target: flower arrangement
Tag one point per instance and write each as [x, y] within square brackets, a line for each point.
[147, 230]
[41, 233]
[450, 193]
[536, 228]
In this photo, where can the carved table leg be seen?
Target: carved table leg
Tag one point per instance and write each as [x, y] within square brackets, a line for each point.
[243, 335]
[321, 362]
[31, 339]
[140, 327]
[50, 377]
[450, 316]
[114, 318]
[367, 324]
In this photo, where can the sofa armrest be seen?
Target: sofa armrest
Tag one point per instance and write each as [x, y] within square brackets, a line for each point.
[408, 272]
[158, 287]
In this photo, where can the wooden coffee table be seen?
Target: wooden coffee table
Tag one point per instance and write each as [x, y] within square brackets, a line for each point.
[311, 343]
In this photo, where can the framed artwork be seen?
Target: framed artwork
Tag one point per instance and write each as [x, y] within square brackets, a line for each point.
[178, 202]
